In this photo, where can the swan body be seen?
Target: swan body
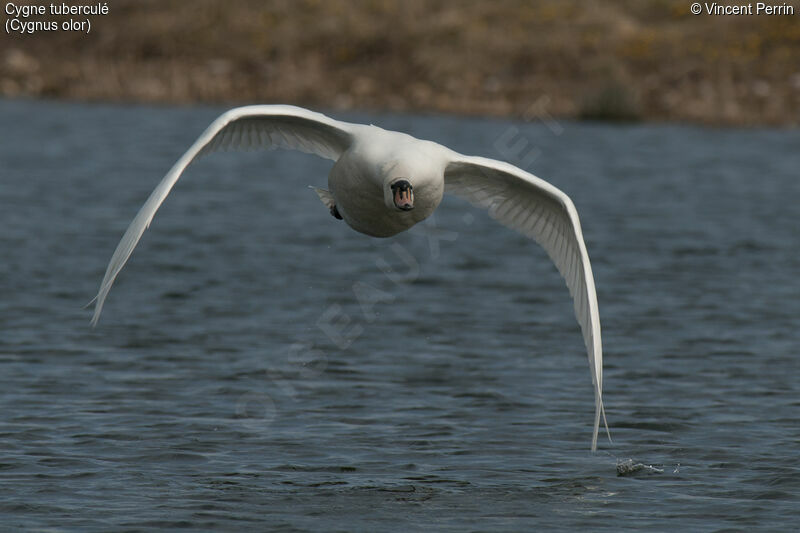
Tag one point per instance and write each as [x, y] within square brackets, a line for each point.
[360, 180]
[384, 182]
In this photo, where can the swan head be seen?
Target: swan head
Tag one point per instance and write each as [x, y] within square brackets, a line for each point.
[401, 194]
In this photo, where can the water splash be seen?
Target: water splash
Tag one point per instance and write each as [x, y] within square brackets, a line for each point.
[628, 467]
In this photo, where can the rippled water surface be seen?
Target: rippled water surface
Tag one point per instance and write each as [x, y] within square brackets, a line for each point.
[259, 365]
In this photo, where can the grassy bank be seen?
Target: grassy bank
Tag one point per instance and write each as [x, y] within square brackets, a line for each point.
[612, 59]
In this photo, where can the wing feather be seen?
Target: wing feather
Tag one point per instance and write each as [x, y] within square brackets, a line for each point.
[243, 128]
[542, 212]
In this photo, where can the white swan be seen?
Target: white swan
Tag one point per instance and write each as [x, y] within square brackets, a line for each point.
[383, 182]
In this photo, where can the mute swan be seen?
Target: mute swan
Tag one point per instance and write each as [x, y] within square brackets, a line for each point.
[383, 182]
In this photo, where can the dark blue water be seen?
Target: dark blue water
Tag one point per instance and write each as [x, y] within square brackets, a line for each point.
[259, 365]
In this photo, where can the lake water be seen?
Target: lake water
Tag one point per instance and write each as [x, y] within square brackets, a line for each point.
[456, 395]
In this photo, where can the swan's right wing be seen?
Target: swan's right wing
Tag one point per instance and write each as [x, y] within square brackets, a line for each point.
[243, 128]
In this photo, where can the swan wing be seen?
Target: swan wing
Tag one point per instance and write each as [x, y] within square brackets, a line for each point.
[243, 128]
[542, 212]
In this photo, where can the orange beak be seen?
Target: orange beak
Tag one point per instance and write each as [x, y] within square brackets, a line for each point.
[403, 195]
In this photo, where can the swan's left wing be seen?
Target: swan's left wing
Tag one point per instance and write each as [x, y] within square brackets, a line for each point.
[243, 128]
[542, 212]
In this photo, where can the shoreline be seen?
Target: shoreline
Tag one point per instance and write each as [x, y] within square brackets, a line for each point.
[222, 106]
[615, 61]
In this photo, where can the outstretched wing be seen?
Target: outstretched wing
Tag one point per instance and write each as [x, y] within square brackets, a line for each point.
[243, 128]
[540, 211]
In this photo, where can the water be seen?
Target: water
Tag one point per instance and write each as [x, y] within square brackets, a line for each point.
[456, 398]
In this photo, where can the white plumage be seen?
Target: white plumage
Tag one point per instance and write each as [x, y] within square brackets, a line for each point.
[370, 163]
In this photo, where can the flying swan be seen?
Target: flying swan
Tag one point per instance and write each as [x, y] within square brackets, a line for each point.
[383, 182]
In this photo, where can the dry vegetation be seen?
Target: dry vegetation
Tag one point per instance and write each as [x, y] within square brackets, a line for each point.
[611, 59]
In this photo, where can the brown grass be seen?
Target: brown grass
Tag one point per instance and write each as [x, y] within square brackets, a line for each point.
[612, 59]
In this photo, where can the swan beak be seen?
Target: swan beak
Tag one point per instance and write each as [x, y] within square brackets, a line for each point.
[403, 195]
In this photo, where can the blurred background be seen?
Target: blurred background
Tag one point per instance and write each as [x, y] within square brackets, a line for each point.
[613, 59]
